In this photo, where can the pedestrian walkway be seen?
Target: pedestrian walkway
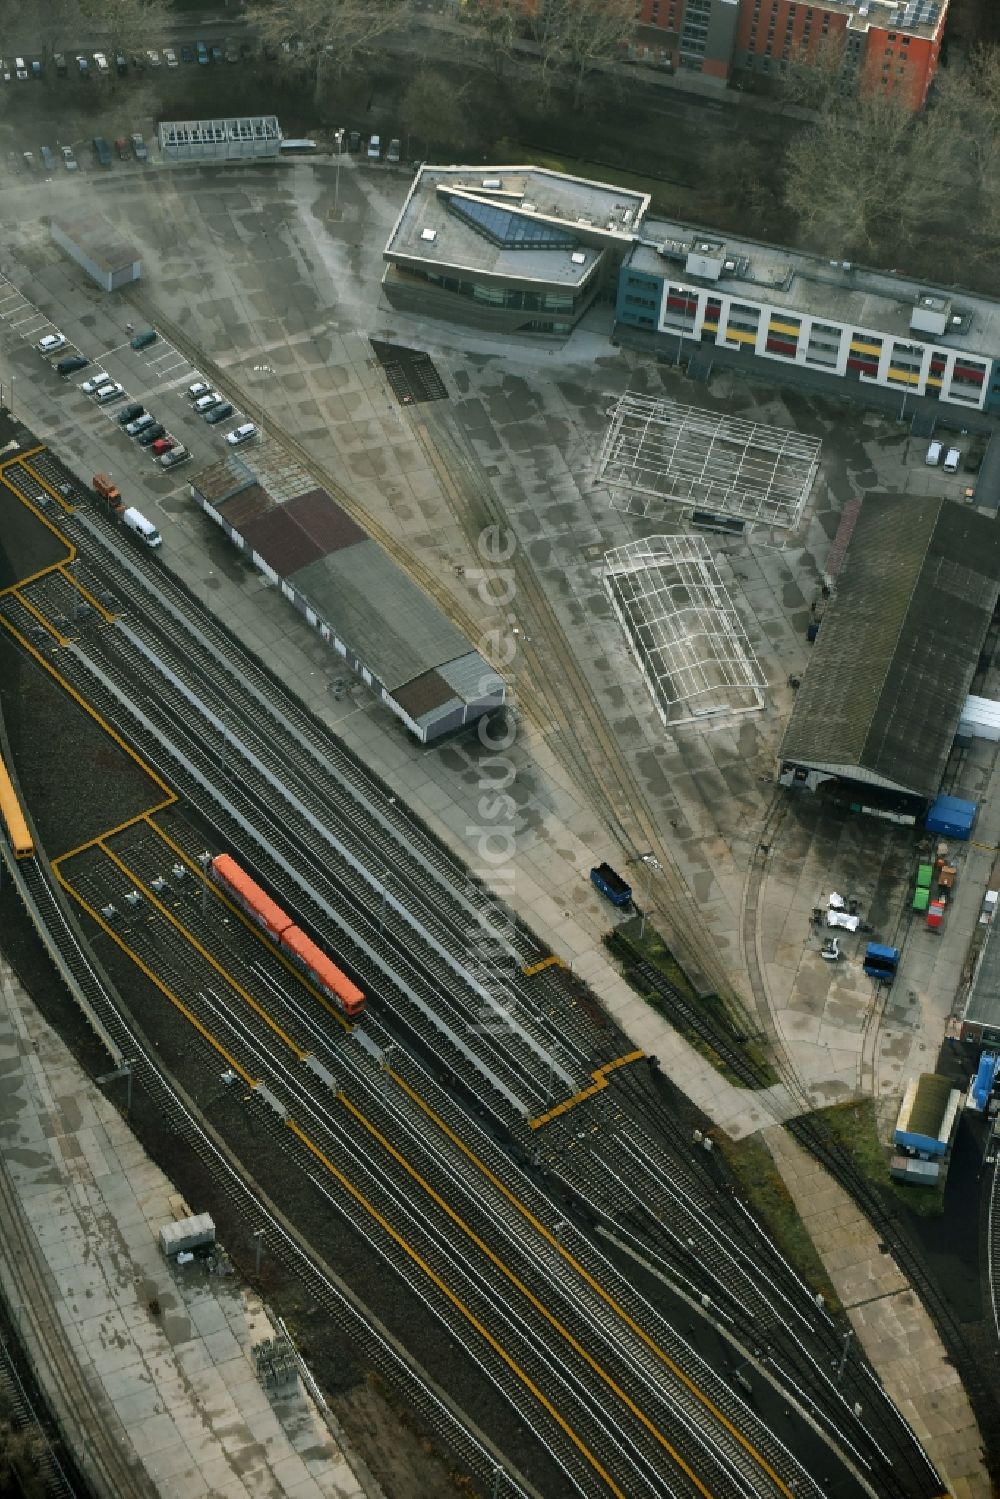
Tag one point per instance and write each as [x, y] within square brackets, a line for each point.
[889, 1320]
[164, 1352]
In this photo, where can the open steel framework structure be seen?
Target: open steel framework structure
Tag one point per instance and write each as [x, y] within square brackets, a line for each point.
[657, 453]
[682, 629]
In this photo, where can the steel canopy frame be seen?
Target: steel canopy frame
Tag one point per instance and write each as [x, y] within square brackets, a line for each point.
[686, 637]
[656, 452]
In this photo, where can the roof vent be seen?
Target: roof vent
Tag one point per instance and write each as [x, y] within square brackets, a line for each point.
[430, 235]
[578, 257]
[527, 207]
[493, 182]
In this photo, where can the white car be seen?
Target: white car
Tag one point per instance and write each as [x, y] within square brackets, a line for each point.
[153, 57]
[110, 392]
[95, 382]
[170, 57]
[51, 343]
[206, 402]
[69, 160]
[199, 388]
[101, 61]
[20, 68]
[243, 433]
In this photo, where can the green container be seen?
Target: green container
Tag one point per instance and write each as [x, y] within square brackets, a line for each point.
[921, 897]
[925, 873]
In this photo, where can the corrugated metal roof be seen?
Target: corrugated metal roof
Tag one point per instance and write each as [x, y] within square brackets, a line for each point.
[473, 678]
[283, 545]
[244, 506]
[898, 649]
[322, 519]
[925, 1106]
[390, 623]
[222, 479]
[424, 694]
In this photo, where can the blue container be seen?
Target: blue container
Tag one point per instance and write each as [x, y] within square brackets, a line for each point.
[951, 817]
[881, 962]
[611, 885]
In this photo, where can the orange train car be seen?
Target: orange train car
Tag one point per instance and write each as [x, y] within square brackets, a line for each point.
[21, 840]
[279, 926]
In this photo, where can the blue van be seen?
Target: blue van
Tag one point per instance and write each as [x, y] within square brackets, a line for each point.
[144, 339]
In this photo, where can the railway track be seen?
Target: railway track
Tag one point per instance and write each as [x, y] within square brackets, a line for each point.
[438, 1415]
[21, 1414]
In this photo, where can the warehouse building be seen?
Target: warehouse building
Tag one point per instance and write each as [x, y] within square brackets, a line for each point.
[980, 1018]
[99, 248]
[877, 712]
[220, 140]
[363, 605]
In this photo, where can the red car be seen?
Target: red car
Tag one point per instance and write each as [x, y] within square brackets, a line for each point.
[162, 445]
[123, 148]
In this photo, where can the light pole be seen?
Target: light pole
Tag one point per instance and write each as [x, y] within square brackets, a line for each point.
[650, 863]
[258, 1234]
[339, 138]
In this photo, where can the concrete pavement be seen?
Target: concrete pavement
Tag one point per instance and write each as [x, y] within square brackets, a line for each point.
[163, 1351]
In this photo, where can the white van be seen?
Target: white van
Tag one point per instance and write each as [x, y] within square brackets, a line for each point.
[933, 455]
[374, 148]
[952, 459]
[143, 528]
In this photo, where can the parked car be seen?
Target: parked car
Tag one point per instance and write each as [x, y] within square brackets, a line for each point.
[175, 456]
[51, 343]
[147, 437]
[219, 413]
[102, 151]
[94, 383]
[83, 67]
[28, 157]
[170, 57]
[198, 389]
[187, 54]
[36, 67]
[109, 393]
[121, 64]
[216, 52]
[138, 62]
[129, 413]
[102, 62]
[206, 402]
[123, 148]
[140, 424]
[162, 445]
[48, 160]
[241, 434]
[144, 338]
[202, 51]
[71, 364]
[69, 160]
[59, 62]
[5, 70]
[374, 148]
[153, 57]
[232, 55]
[21, 69]
[139, 147]
[393, 152]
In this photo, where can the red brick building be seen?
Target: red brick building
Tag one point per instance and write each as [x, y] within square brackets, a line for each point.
[890, 44]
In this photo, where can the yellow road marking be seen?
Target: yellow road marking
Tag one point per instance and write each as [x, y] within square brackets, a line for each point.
[49, 525]
[251, 926]
[529, 1295]
[550, 962]
[17, 458]
[459, 1305]
[155, 979]
[594, 1285]
[597, 1086]
[203, 952]
[46, 624]
[59, 499]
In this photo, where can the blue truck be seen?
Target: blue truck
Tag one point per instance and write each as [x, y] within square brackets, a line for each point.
[881, 962]
[611, 885]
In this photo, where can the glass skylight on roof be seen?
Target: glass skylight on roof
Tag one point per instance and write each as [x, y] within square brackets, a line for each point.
[508, 229]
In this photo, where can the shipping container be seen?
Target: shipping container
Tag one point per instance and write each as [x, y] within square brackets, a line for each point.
[196, 1232]
[952, 817]
[611, 885]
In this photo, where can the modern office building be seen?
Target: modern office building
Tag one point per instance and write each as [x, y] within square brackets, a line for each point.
[864, 327]
[516, 249]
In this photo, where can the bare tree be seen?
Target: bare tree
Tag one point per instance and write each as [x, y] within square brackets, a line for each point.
[54, 23]
[815, 74]
[580, 35]
[122, 21]
[841, 176]
[499, 27]
[432, 111]
[330, 35]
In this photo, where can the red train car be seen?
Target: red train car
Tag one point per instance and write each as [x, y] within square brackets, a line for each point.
[249, 896]
[324, 973]
[279, 926]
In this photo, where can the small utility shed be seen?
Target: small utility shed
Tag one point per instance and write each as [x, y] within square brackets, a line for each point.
[897, 650]
[927, 1115]
[99, 248]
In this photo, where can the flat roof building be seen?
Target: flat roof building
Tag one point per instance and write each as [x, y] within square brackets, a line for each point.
[513, 248]
[233, 139]
[896, 653]
[98, 248]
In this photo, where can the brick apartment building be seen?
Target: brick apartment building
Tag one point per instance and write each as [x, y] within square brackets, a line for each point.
[891, 44]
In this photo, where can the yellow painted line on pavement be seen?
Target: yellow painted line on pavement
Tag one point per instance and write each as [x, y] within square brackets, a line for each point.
[529, 1295]
[46, 624]
[550, 962]
[91, 598]
[594, 1285]
[460, 1306]
[597, 1086]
